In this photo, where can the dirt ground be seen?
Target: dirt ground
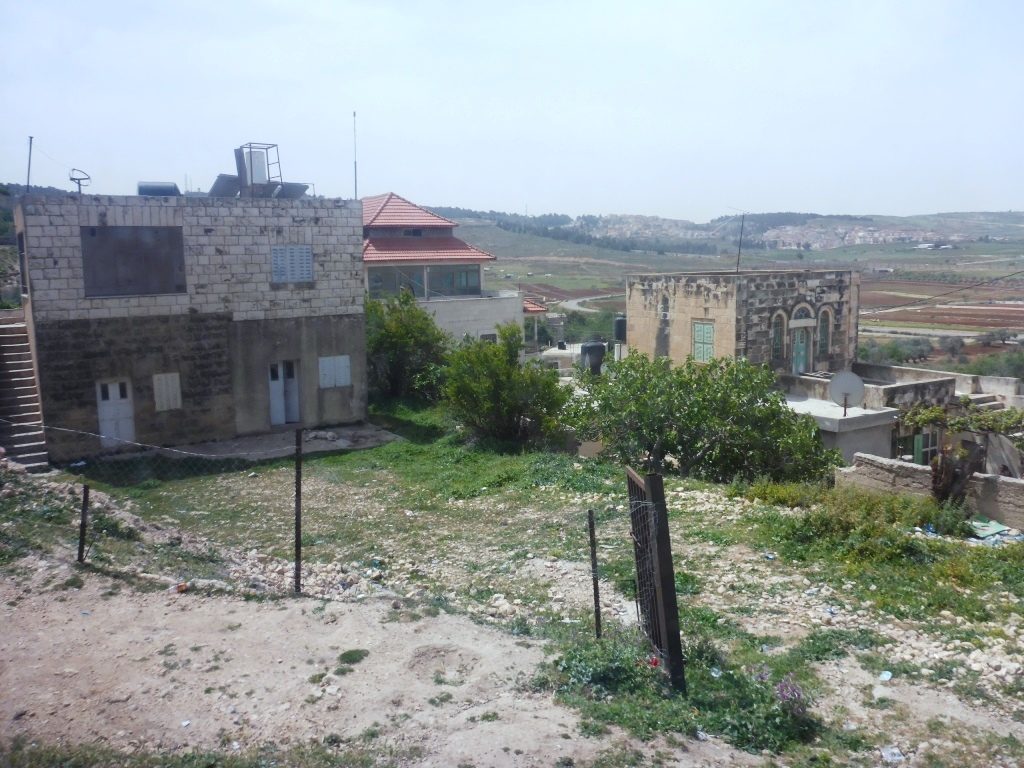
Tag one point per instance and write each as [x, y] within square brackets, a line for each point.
[162, 671]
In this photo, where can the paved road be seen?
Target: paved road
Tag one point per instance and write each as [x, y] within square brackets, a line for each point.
[573, 305]
[890, 330]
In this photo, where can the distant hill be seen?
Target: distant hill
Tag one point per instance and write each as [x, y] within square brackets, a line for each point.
[780, 231]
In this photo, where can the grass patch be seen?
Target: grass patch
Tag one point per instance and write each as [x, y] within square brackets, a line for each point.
[614, 682]
[866, 538]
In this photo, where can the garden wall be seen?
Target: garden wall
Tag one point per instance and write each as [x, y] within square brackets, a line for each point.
[995, 497]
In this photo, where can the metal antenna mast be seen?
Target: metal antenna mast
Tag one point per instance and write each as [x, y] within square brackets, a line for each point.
[28, 176]
[739, 249]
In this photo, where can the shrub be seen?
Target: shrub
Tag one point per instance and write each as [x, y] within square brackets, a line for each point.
[495, 395]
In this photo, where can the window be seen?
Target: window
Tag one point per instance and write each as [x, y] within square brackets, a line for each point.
[703, 341]
[454, 280]
[491, 337]
[132, 261]
[803, 313]
[412, 233]
[335, 371]
[824, 333]
[390, 281]
[291, 263]
[926, 447]
[167, 391]
[778, 337]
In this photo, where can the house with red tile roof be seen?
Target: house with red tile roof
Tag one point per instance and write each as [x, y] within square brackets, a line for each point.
[406, 247]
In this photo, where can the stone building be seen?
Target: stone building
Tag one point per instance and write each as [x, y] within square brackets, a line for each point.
[408, 247]
[170, 320]
[797, 321]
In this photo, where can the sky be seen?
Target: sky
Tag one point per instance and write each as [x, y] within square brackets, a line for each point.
[677, 109]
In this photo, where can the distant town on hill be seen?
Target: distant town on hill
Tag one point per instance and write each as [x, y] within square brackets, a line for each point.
[764, 231]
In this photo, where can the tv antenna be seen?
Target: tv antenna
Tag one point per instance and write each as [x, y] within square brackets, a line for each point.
[846, 389]
[79, 177]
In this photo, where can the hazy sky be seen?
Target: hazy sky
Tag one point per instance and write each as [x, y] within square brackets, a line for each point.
[686, 110]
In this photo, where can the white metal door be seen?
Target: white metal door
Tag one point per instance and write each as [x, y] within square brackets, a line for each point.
[276, 394]
[291, 390]
[116, 415]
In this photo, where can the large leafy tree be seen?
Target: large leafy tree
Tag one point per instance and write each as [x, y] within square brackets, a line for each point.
[495, 395]
[405, 350]
[717, 420]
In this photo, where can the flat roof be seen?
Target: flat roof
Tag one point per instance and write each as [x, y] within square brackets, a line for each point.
[830, 416]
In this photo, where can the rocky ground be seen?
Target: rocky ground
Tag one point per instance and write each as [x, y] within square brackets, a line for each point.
[149, 661]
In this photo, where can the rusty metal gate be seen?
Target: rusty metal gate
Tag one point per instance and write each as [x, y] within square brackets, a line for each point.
[655, 578]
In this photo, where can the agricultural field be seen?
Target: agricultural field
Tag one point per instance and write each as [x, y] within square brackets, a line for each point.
[446, 619]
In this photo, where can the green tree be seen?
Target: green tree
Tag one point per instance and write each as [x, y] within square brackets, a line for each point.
[405, 350]
[717, 420]
[495, 395]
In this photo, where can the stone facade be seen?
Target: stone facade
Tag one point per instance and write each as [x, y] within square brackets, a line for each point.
[222, 331]
[813, 313]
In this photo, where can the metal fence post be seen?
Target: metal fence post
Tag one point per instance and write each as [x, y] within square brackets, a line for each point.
[593, 573]
[298, 511]
[83, 525]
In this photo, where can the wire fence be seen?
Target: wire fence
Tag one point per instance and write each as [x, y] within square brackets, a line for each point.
[226, 515]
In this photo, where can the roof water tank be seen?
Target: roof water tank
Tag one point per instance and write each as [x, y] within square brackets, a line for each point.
[620, 328]
[256, 166]
[592, 355]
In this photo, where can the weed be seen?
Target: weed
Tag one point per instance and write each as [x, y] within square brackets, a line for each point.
[353, 656]
[489, 717]
[441, 698]
[317, 678]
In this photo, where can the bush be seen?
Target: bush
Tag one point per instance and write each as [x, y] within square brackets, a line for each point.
[493, 394]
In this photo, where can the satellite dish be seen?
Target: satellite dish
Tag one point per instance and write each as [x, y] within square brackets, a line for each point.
[846, 389]
[79, 177]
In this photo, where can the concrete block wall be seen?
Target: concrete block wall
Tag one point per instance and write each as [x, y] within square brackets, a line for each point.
[999, 498]
[227, 245]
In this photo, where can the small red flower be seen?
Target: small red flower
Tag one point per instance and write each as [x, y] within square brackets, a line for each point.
[654, 662]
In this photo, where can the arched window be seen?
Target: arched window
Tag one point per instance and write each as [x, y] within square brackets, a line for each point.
[802, 313]
[778, 336]
[824, 333]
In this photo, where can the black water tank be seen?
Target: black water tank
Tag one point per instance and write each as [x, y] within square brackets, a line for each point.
[592, 355]
[561, 345]
[620, 328]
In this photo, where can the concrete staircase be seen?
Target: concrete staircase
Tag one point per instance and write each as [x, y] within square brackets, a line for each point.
[986, 402]
[21, 432]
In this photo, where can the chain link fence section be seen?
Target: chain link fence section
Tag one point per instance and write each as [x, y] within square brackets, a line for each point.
[657, 609]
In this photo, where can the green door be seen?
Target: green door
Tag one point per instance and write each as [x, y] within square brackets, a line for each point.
[800, 351]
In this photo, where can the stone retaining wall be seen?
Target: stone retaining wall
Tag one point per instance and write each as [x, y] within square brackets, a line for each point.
[999, 498]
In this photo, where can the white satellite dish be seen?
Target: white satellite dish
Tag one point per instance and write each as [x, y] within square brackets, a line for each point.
[846, 389]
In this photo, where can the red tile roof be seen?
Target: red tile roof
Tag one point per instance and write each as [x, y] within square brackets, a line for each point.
[390, 210]
[450, 249]
[531, 307]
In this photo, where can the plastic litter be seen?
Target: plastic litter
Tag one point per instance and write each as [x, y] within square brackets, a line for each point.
[886, 676]
[769, 555]
[716, 672]
[180, 587]
[983, 527]
[186, 723]
[701, 735]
